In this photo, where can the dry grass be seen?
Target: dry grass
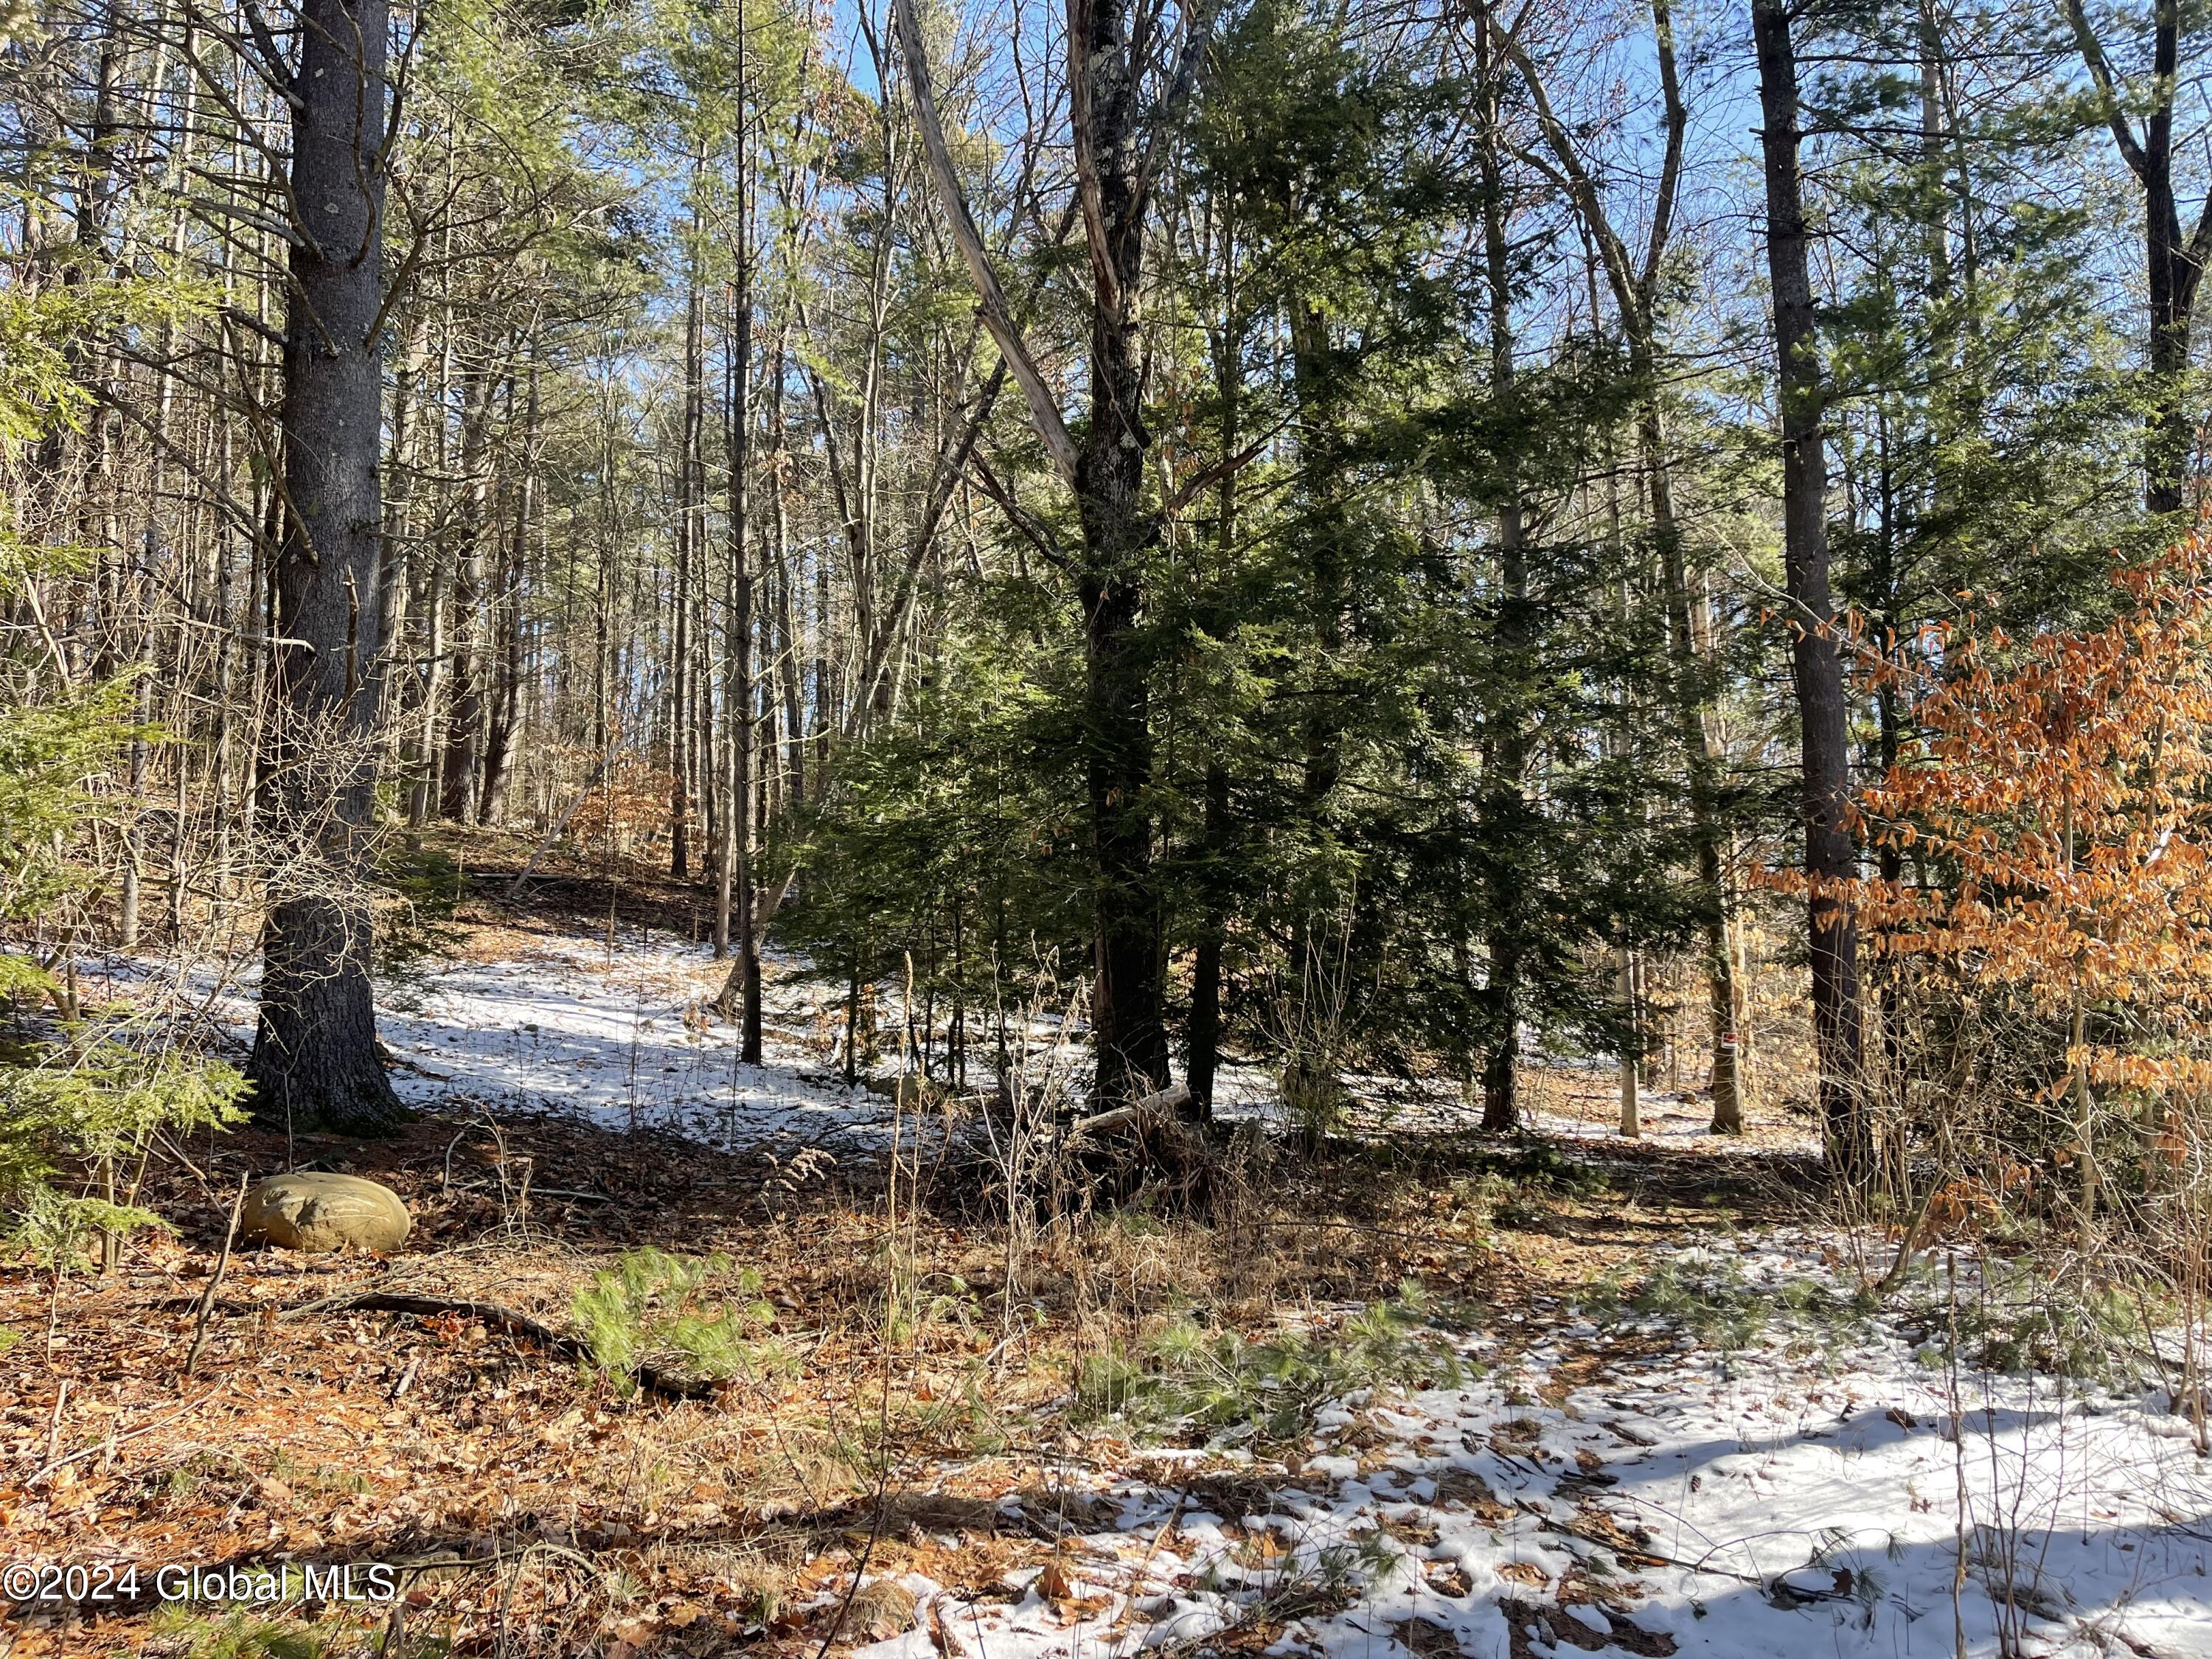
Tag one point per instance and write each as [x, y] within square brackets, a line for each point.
[537, 1501]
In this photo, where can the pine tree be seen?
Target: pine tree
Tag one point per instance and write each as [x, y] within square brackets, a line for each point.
[315, 1058]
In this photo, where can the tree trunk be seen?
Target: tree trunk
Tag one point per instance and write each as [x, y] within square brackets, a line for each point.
[422, 802]
[1205, 1059]
[398, 580]
[314, 1055]
[1694, 709]
[1129, 1017]
[1816, 655]
[734, 866]
[2170, 443]
[790, 671]
[133, 850]
[1129, 1011]
[2173, 267]
[689, 508]
[465, 730]
[2174, 264]
[503, 722]
[1120, 530]
[1505, 808]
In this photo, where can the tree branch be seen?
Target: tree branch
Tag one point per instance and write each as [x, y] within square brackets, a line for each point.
[1022, 519]
[2092, 55]
[1225, 467]
[1167, 114]
[1044, 410]
[1088, 190]
[1614, 255]
[1677, 119]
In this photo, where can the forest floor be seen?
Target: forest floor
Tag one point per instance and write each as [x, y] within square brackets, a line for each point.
[1634, 1406]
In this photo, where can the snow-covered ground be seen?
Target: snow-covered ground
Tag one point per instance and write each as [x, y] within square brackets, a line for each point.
[1756, 1506]
[624, 1037]
[621, 1035]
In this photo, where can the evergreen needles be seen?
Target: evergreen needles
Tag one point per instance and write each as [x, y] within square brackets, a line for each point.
[687, 1316]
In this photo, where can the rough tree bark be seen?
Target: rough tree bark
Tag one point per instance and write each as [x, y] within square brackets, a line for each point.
[314, 1055]
[472, 650]
[734, 875]
[1816, 656]
[503, 712]
[689, 552]
[1129, 1011]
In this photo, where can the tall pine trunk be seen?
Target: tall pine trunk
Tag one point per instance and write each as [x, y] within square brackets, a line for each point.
[1693, 702]
[691, 508]
[464, 731]
[314, 1055]
[735, 864]
[1816, 656]
[1120, 530]
[1506, 811]
[503, 719]
[790, 668]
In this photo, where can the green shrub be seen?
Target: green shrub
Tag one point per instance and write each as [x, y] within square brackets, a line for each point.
[1187, 1379]
[1540, 1164]
[180, 1632]
[1516, 1191]
[691, 1316]
[2024, 1319]
[429, 884]
[1710, 1299]
[98, 1105]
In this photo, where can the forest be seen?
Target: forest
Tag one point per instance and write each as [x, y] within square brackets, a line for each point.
[1044, 828]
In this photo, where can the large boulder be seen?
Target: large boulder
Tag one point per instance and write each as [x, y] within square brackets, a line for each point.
[317, 1212]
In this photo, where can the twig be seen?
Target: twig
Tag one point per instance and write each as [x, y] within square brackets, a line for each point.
[1637, 1550]
[340, 1299]
[543, 1192]
[214, 1284]
[110, 1442]
[54, 1422]
[561, 827]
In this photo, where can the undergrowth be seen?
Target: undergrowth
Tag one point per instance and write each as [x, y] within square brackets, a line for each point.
[1221, 1385]
[695, 1317]
[2022, 1319]
[426, 884]
[1517, 1189]
[1305, 1584]
[1709, 1298]
[180, 1631]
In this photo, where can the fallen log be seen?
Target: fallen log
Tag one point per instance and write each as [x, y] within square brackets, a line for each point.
[1159, 1104]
